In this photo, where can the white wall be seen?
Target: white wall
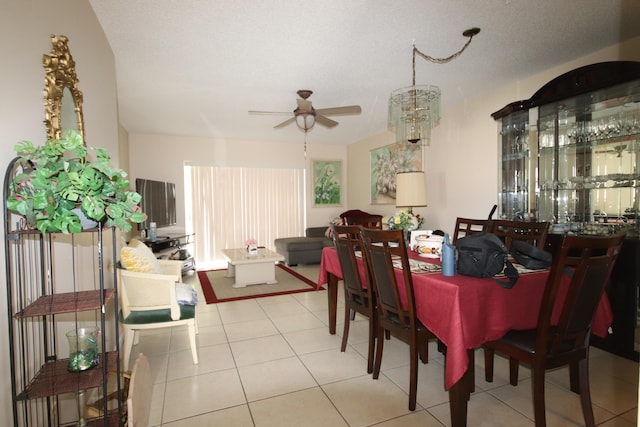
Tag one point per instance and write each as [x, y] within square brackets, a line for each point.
[461, 163]
[25, 27]
[162, 158]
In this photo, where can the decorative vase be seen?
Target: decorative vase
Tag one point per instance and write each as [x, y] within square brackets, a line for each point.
[83, 349]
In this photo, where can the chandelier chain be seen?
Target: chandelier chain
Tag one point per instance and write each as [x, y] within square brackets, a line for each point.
[439, 60]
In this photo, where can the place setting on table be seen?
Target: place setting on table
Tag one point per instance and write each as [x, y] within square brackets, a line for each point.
[465, 311]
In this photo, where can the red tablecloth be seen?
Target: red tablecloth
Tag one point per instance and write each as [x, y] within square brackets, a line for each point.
[465, 312]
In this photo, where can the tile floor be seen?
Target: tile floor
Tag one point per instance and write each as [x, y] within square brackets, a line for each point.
[272, 362]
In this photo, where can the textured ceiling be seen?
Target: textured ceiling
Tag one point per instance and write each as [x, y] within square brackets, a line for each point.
[196, 67]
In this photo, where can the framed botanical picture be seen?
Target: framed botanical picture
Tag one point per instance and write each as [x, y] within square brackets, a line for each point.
[385, 163]
[327, 182]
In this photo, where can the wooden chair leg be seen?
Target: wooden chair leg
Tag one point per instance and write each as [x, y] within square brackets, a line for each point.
[423, 351]
[379, 349]
[345, 330]
[488, 364]
[372, 344]
[413, 374]
[514, 364]
[585, 393]
[574, 377]
[537, 385]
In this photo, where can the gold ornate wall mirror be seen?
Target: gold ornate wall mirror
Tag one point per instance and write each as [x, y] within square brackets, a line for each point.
[62, 98]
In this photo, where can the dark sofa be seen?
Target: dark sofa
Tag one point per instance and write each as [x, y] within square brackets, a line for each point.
[304, 250]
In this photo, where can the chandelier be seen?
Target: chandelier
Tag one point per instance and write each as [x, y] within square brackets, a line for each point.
[415, 110]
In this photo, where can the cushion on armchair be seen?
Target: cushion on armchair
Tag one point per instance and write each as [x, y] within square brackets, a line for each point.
[138, 257]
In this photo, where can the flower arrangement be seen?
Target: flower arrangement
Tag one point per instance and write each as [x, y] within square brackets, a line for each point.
[252, 245]
[405, 220]
[51, 187]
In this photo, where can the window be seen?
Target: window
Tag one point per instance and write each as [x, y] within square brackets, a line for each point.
[228, 205]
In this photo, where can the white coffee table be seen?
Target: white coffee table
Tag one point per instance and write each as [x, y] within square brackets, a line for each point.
[251, 269]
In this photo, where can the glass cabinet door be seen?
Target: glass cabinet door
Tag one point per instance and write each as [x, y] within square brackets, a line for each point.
[588, 161]
[513, 179]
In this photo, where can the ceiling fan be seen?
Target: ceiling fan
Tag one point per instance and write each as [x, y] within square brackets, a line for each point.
[306, 116]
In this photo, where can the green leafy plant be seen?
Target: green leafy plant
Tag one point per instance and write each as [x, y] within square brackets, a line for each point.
[51, 185]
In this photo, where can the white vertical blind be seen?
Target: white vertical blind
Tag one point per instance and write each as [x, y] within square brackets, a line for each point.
[230, 205]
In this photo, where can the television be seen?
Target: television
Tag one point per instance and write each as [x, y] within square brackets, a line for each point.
[158, 202]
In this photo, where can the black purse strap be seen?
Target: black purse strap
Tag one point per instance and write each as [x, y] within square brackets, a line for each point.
[511, 274]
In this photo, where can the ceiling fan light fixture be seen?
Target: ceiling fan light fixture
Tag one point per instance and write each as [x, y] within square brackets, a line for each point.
[305, 120]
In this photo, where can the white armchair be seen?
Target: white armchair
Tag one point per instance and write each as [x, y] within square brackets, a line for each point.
[149, 301]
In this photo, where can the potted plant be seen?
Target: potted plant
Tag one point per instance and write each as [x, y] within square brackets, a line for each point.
[51, 187]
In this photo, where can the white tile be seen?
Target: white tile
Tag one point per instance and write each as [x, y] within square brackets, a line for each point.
[363, 401]
[242, 331]
[237, 416]
[309, 408]
[431, 391]
[152, 342]
[210, 359]
[562, 406]
[284, 308]
[208, 318]
[329, 366]
[210, 335]
[311, 340]
[485, 410]
[240, 311]
[297, 322]
[416, 418]
[274, 378]
[200, 394]
[260, 350]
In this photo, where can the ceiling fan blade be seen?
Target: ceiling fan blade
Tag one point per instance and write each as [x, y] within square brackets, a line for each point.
[340, 111]
[271, 113]
[286, 122]
[325, 121]
[304, 105]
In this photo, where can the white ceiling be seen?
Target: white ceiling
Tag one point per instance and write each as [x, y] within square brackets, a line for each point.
[196, 67]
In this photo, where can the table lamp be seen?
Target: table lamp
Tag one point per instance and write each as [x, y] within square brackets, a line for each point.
[411, 190]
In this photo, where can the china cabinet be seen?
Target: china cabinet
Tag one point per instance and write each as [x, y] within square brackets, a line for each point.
[570, 155]
[58, 286]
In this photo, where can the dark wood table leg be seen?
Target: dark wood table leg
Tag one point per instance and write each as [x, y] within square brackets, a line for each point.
[332, 296]
[460, 392]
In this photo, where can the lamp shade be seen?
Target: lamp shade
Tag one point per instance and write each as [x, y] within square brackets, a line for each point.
[411, 189]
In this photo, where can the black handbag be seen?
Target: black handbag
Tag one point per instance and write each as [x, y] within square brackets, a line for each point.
[530, 256]
[485, 255]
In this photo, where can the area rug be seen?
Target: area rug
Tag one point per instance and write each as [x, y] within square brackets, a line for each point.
[216, 287]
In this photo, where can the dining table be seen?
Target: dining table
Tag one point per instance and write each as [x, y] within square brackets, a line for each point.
[464, 312]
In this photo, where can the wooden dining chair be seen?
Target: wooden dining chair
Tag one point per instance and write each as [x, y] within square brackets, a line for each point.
[588, 261]
[386, 249]
[466, 226]
[529, 231]
[357, 296]
[367, 221]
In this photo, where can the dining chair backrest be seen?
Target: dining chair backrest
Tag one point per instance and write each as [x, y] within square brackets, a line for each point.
[348, 243]
[139, 394]
[588, 261]
[466, 226]
[386, 249]
[532, 232]
[367, 221]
